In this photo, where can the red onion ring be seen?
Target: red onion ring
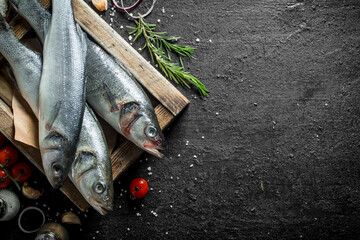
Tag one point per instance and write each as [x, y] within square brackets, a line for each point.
[125, 9]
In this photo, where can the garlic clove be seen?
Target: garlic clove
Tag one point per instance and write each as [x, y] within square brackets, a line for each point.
[30, 192]
[100, 5]
[70, 218]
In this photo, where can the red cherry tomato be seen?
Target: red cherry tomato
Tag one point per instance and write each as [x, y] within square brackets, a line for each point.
[139, 188]
[21, 171]
[4, 180]
[2, 139]
[8, 156]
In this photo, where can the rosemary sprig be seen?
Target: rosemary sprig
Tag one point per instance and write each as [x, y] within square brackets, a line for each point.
[160, 46]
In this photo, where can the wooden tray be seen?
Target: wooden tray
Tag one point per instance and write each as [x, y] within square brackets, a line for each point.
[170, 101]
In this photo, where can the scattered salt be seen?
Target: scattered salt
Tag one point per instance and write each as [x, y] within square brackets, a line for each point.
[197, 40]
[217, 113]
[158, 20]
[149, 168]
[202, 137]
[195, 156]
[191, 165]
[130, 37]
[121, 26]
[210, 40]
[138, 214]
[163, 10]
[179, 155]
[97, 231]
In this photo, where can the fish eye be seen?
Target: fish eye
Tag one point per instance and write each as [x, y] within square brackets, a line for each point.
[151, 131]
[99, 187]
[57, 168]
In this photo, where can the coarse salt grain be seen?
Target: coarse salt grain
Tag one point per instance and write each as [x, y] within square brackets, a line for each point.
[197, 40]
[191, 165]
[158, 20]
[149, 168]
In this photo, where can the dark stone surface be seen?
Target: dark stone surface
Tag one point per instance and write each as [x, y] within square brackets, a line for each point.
[276, 142]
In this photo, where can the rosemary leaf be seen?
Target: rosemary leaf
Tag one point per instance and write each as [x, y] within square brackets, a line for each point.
[160, 48]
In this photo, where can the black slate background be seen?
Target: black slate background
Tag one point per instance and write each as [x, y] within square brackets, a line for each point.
[276, 142]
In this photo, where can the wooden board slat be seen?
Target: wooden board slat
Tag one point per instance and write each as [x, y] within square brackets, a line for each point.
[172, 102]
[146, 74]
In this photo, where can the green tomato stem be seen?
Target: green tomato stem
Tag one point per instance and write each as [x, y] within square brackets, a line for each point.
[11, 178]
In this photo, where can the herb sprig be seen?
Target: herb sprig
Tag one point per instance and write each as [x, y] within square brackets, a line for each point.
[160, 46]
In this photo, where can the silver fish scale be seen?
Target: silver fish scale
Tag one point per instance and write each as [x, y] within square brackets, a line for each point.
[35, 13]
[14, 53]
[61, 98]
[26, 65]
[121, 83]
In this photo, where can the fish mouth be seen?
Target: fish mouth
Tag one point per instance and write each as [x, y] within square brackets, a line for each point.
[153, 148]
[103, 210]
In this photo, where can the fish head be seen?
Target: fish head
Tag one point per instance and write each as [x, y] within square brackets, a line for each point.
[140, 125]
[94, 181]
[55, 159]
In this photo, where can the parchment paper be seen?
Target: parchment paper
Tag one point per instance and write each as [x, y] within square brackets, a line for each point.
[26, 124]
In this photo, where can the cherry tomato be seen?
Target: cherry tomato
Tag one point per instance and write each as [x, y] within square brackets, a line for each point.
[139, 188]
[21, 171]
[2, 139]
[8, 156]
[4, 180]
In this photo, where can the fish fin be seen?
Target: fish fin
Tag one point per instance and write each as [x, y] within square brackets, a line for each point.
[12, 76]
[83, 38]
[53, 116]
[129, 114]
[114, 107]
